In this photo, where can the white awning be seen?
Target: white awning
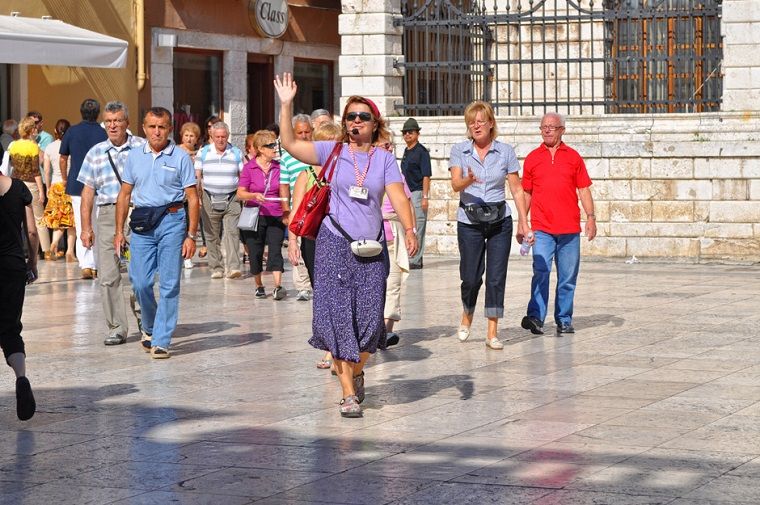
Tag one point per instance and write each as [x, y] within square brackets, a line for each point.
[32, 41]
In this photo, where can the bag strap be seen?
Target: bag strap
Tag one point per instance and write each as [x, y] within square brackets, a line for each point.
[346, 235]
[113, 166]
[331, 164]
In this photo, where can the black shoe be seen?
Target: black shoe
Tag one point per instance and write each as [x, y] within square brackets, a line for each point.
[278, 293]
[565, 328]
[392, 339]
[414, 266]
[260, 293]
[533, 324]
[25, 404]
[115, 339]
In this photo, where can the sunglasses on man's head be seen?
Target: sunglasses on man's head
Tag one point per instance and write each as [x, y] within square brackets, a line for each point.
[363, 116]
[270, 146]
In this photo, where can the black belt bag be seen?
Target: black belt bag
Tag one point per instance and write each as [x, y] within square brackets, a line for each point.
[146, 219]
[485, 213]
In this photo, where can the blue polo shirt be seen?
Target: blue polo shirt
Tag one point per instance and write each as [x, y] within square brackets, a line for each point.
[158, 178]
[75, 144]
[499, 161]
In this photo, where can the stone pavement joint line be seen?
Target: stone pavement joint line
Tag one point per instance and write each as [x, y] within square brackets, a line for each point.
[655, 399]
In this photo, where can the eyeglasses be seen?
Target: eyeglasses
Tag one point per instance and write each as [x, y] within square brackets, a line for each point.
[409, 132]
[270, 146]
[363, 116]
[549, 128]
[479, 122]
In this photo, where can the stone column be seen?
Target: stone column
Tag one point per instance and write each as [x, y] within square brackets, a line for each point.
[741, 58]
[236, 95]
[369, 46]
[161, 77]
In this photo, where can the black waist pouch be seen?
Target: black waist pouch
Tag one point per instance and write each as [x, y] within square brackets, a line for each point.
[145, 219]
[485, 213]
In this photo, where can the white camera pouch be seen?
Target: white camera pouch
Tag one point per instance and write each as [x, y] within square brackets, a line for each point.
[366, 248]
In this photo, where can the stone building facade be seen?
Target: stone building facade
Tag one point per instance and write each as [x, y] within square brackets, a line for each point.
[681, 187]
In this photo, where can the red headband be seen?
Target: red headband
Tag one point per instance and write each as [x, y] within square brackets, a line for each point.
[373, 107]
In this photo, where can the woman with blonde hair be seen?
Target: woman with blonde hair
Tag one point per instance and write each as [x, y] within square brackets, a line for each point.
[479, 167]
[260, 186]
[22, 161]
[59, 214]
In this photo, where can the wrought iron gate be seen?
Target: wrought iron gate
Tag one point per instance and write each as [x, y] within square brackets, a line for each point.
[573, 56]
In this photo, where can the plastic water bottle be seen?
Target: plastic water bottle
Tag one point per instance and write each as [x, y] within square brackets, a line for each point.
[525, 246]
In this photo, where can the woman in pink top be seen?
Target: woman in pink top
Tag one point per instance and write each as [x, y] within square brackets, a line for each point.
[260, 186]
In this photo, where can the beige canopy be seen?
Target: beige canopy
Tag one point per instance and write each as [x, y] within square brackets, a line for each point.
[32, 41]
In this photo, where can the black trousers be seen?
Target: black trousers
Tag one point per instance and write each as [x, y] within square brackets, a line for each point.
[308, 252]
[12, 289]
[270, 233]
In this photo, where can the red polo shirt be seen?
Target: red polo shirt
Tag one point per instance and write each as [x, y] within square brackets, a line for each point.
[553, 185]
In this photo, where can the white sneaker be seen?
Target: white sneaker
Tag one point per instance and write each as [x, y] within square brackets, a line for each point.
[303, 295]
[188, 264]
[217, 275]
[463, 333]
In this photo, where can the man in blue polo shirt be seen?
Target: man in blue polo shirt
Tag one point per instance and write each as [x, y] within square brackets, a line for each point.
[75, 144]
[159, 175]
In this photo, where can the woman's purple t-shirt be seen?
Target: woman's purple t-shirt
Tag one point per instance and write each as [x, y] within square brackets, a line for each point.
[361, 219]
[253, 179]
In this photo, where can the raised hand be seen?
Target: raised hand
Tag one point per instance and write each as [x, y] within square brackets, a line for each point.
[286, 87]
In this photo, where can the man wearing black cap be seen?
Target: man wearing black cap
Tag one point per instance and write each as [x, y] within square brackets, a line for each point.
[415, 165]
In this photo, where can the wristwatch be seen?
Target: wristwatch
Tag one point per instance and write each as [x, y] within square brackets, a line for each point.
[191, 236]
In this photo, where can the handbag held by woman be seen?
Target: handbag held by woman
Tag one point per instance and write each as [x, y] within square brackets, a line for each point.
[316, 202]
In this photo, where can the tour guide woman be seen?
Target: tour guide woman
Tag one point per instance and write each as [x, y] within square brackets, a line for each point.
[478, 168]
[349, 291]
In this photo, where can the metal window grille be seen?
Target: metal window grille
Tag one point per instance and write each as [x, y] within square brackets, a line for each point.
[575, 56]
[665, 56]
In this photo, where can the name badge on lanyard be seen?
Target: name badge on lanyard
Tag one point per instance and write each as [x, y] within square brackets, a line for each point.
[358, 191]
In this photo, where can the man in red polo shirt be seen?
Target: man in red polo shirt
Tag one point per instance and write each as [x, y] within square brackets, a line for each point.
[554, 179]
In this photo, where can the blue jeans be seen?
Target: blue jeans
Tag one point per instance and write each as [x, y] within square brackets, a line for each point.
[484, 248]
[565, 251]
[159, 250]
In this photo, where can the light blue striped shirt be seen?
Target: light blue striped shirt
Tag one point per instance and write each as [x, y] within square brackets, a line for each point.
[97, 173]
[500, 160]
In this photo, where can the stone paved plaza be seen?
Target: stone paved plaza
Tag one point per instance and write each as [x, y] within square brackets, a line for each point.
[655, 399]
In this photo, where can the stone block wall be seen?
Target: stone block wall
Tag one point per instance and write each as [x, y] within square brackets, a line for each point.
[682, 187]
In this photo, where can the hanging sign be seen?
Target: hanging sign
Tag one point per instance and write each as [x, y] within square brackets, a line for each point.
[269, 17]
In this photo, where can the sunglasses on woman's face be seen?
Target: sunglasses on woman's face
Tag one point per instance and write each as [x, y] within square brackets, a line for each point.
[363, 116]
[270, 146]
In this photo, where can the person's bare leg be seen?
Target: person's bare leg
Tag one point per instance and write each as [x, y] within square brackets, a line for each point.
[277, 276]
[257, 279]
[389, 325]
[359, 367]
[345, 372]
[493, 323]
[466, 320]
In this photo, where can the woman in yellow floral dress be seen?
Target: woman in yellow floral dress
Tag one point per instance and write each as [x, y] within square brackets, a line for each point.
[22, 162]
[59, 214]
